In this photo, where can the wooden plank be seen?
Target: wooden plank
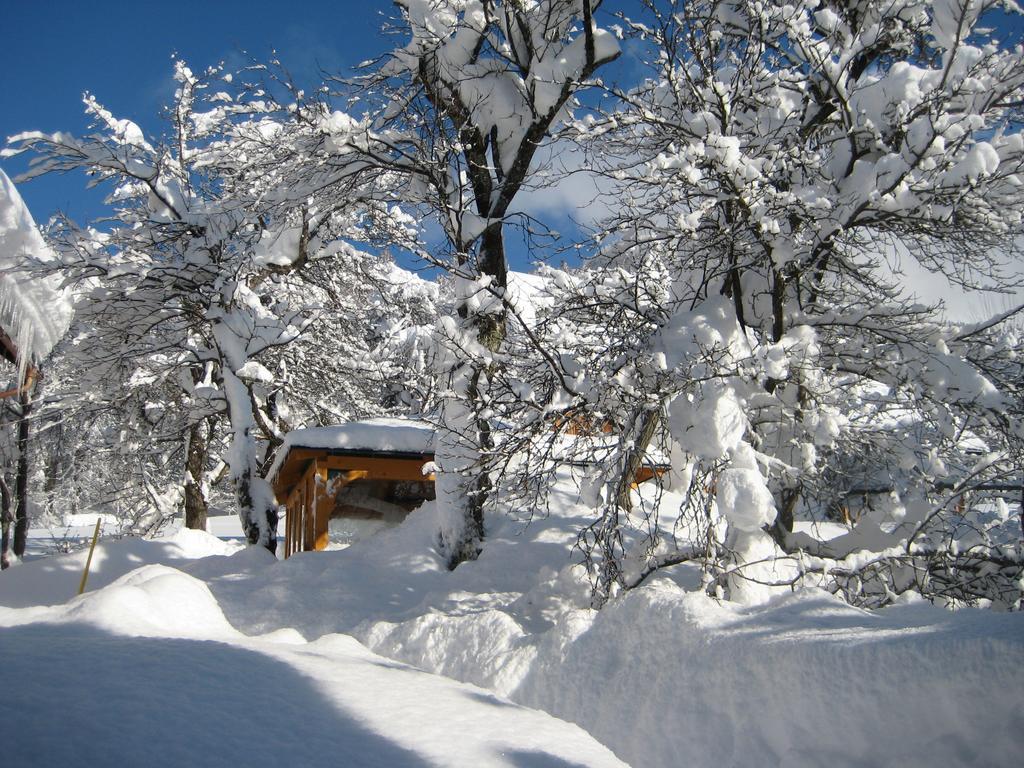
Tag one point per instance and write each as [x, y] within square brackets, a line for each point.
[289, 531]
[295, 465]
[323, 505]
[308, 519]
[382, 468]
[293, 532]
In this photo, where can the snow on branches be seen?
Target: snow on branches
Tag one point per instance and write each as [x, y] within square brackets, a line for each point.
[774, 168]
[192, 280]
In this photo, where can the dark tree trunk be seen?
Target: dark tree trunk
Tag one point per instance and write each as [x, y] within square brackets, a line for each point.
[6, 516]
[21, 479]
[635, 458]
[252, 509]
[195, 466]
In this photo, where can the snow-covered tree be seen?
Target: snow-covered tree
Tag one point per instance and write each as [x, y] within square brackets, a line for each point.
[187, 283]
[370, 351]
[774, 171]
[479, 87]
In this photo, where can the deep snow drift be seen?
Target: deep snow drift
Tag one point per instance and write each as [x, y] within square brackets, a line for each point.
[663, 676]
[147, 671]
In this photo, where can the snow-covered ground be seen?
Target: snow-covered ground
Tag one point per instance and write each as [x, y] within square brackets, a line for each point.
[214, 653]
[147, 671]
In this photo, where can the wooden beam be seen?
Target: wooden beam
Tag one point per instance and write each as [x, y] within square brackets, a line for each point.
[292, 534]
[381, 468]
[646, 472]
[296, 463]
[296, 505]
[323, 505]
[308, 519]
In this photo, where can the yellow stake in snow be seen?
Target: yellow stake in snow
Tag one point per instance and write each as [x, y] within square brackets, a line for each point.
[88, 561]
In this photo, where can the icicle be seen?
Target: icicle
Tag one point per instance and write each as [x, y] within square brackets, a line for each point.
[34, 312]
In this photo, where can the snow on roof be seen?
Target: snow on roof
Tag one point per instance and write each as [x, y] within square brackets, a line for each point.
[34, 312]
[382, 435]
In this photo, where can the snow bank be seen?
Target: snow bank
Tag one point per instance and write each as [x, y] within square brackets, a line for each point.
[154, 601]
[147, 671]
[53, 580]
[663, 676]
[804, 681]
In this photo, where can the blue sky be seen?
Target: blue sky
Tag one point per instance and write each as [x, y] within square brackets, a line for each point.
[51, 52]
[121, 52]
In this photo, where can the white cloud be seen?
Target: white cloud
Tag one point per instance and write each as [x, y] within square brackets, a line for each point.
[564, 188]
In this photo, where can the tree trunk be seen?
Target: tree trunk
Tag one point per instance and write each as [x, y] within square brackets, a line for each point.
[607, 533]
[195, 467]
[462, 483]
[6, 516]
[21, 479]
[465, 482]
[635, 458]
[257, 507]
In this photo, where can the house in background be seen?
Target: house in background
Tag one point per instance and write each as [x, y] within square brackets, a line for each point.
[375, 471]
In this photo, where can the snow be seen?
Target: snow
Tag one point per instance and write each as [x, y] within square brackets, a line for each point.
[33, 310]
[52, 580]
[314, 650]
[803, 681]
[383, 435]
[742, 495]
[152, 668]
[710, 425]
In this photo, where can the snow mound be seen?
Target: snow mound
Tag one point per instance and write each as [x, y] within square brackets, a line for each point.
[661, 672]
[663, 675]
[148, 688]
[806, 680]
[54, 580]
[154, 601]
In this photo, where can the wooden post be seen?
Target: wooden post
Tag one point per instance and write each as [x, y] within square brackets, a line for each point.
[88, 560]
[293, 526]
[308, 509]
[323, 505]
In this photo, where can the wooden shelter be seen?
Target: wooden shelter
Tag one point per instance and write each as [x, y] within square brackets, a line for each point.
[368, 470]
[371, 470]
